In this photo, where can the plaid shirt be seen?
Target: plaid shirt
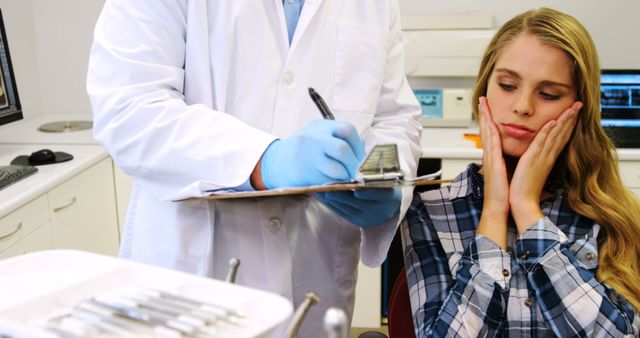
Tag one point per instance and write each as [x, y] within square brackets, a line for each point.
[464, 285]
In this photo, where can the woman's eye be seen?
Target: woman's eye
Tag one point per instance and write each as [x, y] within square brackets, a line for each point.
[550, 97]
[506, 86]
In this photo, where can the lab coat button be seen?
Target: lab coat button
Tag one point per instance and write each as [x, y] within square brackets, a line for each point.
[274, 225]
[287, 78]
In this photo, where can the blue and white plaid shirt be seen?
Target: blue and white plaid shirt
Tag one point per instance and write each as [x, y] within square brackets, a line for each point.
[464, 285]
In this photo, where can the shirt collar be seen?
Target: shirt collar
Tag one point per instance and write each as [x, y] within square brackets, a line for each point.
[471, 183]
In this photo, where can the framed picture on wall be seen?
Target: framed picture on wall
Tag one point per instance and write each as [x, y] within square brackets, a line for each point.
[10, 109]
[4, 101]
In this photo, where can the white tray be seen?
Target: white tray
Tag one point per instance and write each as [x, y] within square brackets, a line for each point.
[38, 286]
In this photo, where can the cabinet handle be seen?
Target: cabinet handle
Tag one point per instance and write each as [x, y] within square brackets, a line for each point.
[73, 200]
[18, 227]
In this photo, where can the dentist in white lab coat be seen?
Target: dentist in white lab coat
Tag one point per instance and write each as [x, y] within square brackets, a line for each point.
[193, 93]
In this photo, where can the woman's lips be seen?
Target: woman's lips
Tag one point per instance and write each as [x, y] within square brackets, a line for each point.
[517, 130]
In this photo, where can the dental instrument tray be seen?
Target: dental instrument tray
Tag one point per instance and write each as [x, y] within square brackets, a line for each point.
[66, 293]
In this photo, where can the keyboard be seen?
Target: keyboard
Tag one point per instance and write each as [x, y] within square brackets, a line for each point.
[10, 174]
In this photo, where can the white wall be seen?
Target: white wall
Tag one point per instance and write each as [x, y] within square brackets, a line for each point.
[614, 25]
[63, 35]
[49, 41]
[18, 22]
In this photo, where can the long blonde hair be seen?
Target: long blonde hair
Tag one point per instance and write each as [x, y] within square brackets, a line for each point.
[588, 167]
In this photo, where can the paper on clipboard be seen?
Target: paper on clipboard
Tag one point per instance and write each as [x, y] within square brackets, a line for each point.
[380, 169]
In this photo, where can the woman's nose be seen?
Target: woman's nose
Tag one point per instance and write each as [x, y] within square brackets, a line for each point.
[523, 105]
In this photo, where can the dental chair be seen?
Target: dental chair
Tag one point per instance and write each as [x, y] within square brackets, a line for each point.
[399, 317]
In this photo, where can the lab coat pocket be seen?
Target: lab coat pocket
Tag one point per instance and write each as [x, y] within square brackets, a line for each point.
[359, 67]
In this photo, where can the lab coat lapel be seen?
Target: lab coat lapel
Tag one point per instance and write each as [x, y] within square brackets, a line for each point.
[309, 10]
[282, 22]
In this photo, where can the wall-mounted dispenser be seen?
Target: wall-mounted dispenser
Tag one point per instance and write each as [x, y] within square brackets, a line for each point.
[445, 45]
[442, 55]
[445, 107]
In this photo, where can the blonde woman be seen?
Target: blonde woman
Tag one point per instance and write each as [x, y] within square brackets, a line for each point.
[542, 238]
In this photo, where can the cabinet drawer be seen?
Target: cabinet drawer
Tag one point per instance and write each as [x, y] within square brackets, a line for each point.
[23, 221]
[630, 173]
[39, 239]
[83, 211]
[452, 167]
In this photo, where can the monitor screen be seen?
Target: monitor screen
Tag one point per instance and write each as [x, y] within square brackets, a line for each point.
[10, 109]
[620, 97]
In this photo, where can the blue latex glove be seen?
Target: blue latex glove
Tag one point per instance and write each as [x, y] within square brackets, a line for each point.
[364, 208]
[320, 152]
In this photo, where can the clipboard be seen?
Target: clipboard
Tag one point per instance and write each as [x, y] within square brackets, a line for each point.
[380, 169]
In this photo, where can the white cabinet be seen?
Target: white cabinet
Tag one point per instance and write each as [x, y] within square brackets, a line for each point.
[124, 185]
[630, 174]
[452, 167]
[79, 213]
[39, 239]
[26, 229]
[366, 312]
[83, 211]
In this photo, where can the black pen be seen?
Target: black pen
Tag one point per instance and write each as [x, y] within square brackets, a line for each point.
[317, 99]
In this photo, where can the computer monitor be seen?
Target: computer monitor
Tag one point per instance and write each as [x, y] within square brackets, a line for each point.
[10, 109]
[620, 104]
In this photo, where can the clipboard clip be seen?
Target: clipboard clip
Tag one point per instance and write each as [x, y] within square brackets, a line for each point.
[381, 164]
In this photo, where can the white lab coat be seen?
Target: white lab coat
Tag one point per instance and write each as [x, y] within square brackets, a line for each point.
[186, 92]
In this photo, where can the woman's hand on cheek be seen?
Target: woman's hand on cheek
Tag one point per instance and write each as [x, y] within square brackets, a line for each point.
[535, 165]
[495, 210]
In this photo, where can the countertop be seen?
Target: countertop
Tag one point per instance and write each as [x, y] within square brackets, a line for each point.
[48, 176]
[445, 143]
[26, 131]
[23, 138]
[449, 143]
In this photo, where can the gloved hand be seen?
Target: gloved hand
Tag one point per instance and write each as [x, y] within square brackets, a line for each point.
[320, 152]
[364, 208]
